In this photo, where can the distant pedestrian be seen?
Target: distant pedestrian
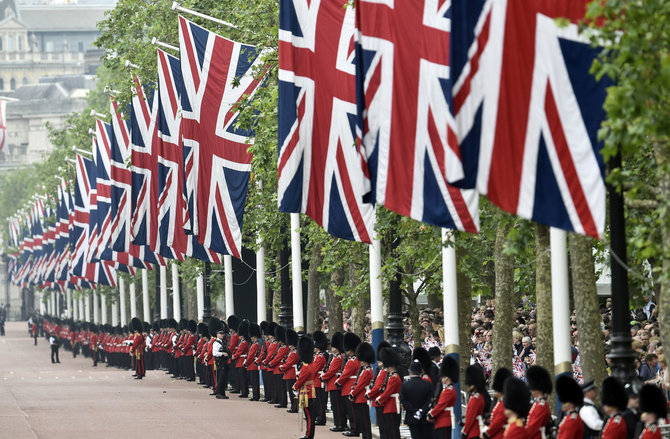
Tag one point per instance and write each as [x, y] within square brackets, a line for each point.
[53, 342]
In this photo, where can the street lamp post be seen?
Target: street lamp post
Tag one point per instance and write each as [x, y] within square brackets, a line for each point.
[207, 297]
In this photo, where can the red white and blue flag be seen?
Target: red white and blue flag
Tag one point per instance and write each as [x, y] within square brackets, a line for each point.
[217, 75]
[321, 168]
[527, 110]
[403, 86]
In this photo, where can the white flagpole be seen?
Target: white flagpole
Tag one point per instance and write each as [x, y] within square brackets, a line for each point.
[103, 309]
[200, 295]
[296, 271]
[122, 301]
[560, 301]
[228, 275]
[176, 307]
[163, 287]
[145, 296]
[260, 281]
[96, 308]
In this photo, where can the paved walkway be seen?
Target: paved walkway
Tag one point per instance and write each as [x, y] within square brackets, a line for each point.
[75, 400]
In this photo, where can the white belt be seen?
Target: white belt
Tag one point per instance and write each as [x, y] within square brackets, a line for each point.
[353, 377]
[242, 356]
[396, 396]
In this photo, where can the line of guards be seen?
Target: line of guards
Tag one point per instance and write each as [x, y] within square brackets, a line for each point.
[298, 373]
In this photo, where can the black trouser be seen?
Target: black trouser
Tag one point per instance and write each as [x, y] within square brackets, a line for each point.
[310, 415]
[338, 412]
[442, 433]
[242, 381]
[188, 367]
[422, 430]
[234, 386]
[351, 414]
[379, 412]
[363, 424]
[392, 425]
[255, 384]
[139, 363]
[35, 338]
[221, 380]
[281, 390]
[54, 350]
[321, 402]
[291, 395]
[267, 385]
[94, 353]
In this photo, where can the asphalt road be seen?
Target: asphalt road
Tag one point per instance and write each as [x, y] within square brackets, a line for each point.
[75, 400]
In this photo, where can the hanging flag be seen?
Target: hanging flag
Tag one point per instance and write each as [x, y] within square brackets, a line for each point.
[321, 169]
[170, 169]
[217, 75]
[103, 165]
[79, 218]
[403, 87]
[527, 110]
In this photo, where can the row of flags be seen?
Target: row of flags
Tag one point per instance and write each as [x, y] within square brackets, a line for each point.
[422, 106]
[419, 107]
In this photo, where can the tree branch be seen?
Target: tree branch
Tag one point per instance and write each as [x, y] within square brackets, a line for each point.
[641, 204]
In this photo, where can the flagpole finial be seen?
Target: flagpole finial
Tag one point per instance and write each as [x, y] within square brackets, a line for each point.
[175, 5]
[109, 90]
[91, 131]
[156, 42]
[100, 115]
[131, 65]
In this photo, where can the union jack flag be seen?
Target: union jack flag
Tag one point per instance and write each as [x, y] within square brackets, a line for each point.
[62, 247]
[527, 111]
[403, 86]
[321, 169]
[103, 167]
[217, 74]
[170, 170]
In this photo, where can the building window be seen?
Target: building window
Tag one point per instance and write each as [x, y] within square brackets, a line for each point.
[2, 84]
[1, 48]
[20, 40]
[49, 46]
[80, 46]
[24, 81]
[10, 43]
[12, 84]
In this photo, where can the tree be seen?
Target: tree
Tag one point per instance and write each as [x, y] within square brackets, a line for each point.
[545, 329]
[504, 298]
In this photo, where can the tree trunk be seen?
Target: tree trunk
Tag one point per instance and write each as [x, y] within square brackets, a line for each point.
[313, 287]
[334, 305]
[545, 329]
[276, 299]
[413, 309]
[358, 313]
[504, 301]
[464, 289]
[586, 303]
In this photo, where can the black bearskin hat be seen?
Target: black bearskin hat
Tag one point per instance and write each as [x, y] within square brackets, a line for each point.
[652, 400]
[233, 322]
[539, 379]
[272, 327]
[449, 368]
[516, 397]
[214, 325]
[613, 394]
[172, 323]
[254, 330]
[94, 328]
[320, 340]
[243, 328]
[192, 326]
[365, 352]
[474, 376]
[291, 338]
[280, 334]
[156, 326]
[350, 341]
[501, 375]
[389, 357]
[568, 390]
[263, 327]
[336, 342]
[306, 349]
[205, 332]
[434, 352]
[201, 327]
[183, 324]
[146, 327]
[382, 344]
[424, 358]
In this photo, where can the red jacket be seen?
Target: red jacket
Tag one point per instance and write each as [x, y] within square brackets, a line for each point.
[330, 376]
[650, 432]
[234, 341]
[537, 418]
[376, 389]
[282, 352]
[349, 373]
[189, 344]
[250, 361]
[241, 353]
[572, 427]
[208, 352]
[515, 429]
[390, 395]
[614, 428]
[305, 381]
[138, 345]
[475, 408]
[270, 352]
[444, 407]
[360, 384]
[319, 361]
[289, 366]
[262, 352]
[498, 421]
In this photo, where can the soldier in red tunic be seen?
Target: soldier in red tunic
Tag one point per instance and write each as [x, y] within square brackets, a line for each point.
[498, 420]
[268, 378]
[374, 392]
[345, 382]
[389, 397]
[329, 377]
[321, 358]
[365, 354]
[304, 384]
[250, 362]
[540, 385]
[278, 359]
[479, 401]
[288, 368]
[571, 397]
[653, 406]
[614, 400]
[93, 343]
[233, 324]
[189, 346]
[239, 355]
[422, 356]
[517, 405]
[137, 348]
[443, 412]
[262, 354]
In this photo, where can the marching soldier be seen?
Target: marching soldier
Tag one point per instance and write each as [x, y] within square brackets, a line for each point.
[571, 397]
[540, 385]
[496, 427]
[365, 354]
[137, 349]
[188, 346]
[288, 368]
[479, 402]
[93, 343]
[614, 399]
[517, 406]
[375, 390]
[250, 363]
[346, 380]
[239, 355]
[654, 407]
[329, 378]
[422, 356]
[389, 395]
[233, 324]
[280, 355]
[268, 377]
[321, 360]
[443, 412]
[304, 384]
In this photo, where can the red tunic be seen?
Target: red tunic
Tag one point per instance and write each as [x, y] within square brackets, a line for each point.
[271, 350]
[651, 431]
[234, 341]
[538, 417]
[330, 376]
[346, 380]
[261, 355]
[189, 344]
[319, 362]
[377, 388]
[305, 383]
[250, 361]
[241, 353]
[289, 366]
[474, 409]
[498, 420]
[571, 426]
[282, 352]
[390, 395]
[515, 430]
[615, 428]
[360, 384]
[444, 407]
[208, 355]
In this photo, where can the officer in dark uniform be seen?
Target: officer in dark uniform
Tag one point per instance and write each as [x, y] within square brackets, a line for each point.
[416, 395]
[221, 355]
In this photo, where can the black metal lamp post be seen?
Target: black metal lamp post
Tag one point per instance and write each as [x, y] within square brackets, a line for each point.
[395, 329]
[207, 302]
[286, 309]
[157, 299]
